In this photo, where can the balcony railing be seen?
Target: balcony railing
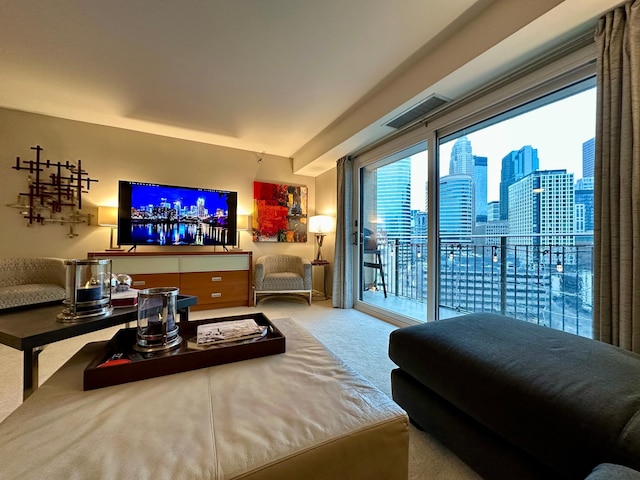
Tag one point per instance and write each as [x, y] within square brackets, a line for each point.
[549, 284]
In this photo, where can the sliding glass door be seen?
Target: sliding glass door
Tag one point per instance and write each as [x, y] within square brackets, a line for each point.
[392, 231]
[516, 213]
[496, 216]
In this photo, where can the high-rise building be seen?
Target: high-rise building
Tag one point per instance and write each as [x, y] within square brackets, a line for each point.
[461, 158]
[542, 204]
[516, 165]
[493, 211]
[588, 158]
[584, 215]
[584, 210]
[585, 184]
[393, 200]
[456, 208]
[480, 188]
[200, 207]
[494, 231]
[419, 224]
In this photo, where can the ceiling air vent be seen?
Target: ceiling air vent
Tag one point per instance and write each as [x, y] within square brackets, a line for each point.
[420, 110]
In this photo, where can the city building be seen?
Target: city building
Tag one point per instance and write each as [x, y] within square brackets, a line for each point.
[588, 158]
[516, 165]
[461, 158]
[493, 211]
[393, 200]
[456, 208]
[541, 205]
[584, 210]
[480, 188]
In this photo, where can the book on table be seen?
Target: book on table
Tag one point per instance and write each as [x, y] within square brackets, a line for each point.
[126, 298]
[211, 334]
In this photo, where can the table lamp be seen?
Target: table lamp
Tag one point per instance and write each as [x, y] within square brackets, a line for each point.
[108, 217]
[320, 225]
[242, 224]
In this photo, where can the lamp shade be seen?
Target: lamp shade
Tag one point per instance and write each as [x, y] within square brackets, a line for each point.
[321, 224]
[242, 222]
[108, 216]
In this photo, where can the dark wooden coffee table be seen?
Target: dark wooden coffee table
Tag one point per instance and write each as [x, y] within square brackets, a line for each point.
[29, 330]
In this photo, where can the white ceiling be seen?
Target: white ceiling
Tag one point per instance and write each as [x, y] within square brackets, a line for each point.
[259, 75]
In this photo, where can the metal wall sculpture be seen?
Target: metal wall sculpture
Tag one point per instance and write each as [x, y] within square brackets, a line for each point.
[55, 191]
[279, 213]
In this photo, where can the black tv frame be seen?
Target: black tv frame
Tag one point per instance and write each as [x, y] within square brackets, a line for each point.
[173, 215]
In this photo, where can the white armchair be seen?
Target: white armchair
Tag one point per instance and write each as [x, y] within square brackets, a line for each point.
[278, 274]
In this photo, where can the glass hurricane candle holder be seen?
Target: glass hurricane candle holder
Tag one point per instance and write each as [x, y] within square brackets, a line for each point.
[88, 289]
[157, 329]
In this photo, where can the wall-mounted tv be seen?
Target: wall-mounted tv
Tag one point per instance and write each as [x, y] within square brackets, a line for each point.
[152, 214]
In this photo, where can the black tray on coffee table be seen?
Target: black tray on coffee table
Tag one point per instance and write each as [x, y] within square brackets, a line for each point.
[180, 359]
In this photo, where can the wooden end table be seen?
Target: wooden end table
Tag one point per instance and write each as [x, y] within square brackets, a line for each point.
[325, 265]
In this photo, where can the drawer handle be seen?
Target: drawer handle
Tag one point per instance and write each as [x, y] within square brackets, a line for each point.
[216, 295]
[216, 279]
[138, 283]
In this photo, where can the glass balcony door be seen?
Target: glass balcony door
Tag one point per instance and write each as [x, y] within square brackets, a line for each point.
[392, 231]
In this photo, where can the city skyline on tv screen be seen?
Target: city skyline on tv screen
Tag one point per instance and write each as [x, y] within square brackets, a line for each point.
[172, 215]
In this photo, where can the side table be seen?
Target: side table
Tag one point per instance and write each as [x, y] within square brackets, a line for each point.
[31, 329]
[325, 264]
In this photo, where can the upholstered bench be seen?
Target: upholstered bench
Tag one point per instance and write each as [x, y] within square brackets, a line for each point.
[301, 414]
[517, 400]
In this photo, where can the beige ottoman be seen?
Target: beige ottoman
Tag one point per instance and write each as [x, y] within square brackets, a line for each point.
[302, 414]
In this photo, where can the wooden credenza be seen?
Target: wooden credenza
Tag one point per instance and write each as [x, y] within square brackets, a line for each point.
[218, 279]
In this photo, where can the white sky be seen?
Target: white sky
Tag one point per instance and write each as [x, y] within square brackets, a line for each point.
[557, 131]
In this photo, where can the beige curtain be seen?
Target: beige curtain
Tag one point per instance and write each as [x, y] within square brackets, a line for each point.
[343, 256]
[616, 310]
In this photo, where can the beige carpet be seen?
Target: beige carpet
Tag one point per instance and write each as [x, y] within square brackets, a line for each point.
[359, 340]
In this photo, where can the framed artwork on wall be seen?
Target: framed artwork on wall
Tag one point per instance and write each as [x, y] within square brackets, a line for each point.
[279, 213]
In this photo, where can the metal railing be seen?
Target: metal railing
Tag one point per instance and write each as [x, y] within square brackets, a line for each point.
[549, 284]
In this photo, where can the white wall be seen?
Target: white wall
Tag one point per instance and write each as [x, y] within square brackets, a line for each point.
[110, 154]
[326, 197]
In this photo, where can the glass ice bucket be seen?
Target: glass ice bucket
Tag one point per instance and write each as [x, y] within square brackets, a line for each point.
[157, 329]
[87, 289]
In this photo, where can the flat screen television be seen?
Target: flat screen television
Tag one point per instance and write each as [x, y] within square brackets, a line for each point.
[153, 214]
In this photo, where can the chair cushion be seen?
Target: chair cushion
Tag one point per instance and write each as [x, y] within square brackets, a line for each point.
[283, 281]
[29, 294]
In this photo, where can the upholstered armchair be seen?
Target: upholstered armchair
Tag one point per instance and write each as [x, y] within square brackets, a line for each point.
[278, 274]
[31, 281]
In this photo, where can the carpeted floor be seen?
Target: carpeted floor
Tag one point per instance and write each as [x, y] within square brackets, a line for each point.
[360, 340]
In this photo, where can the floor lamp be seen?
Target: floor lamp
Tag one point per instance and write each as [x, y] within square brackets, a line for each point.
[320, 225]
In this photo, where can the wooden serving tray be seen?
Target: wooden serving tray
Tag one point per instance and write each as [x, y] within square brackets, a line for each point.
[180, 359]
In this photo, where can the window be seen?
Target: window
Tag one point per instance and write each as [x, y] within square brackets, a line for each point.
[510, 198]
[531, 163]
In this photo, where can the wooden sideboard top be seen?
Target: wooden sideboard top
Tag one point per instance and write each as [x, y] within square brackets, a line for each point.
[108, 253]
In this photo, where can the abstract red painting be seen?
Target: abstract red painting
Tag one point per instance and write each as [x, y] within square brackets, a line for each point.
[279, 213]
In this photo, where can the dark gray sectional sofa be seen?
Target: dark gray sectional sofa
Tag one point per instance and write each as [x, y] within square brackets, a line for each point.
[517, 400]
